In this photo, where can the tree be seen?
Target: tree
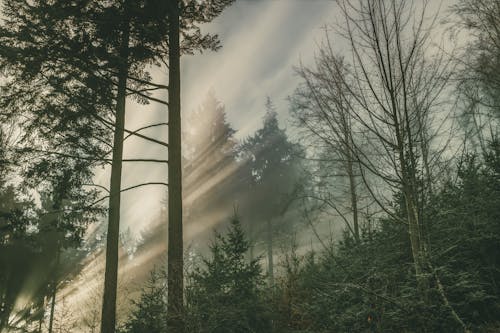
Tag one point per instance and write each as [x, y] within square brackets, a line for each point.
[371, 287]
[150, 313]
[225, 294]
[60, 234]
[272, 164]
[15, 221]
[183, 18]
[208, 142]
[478, 74]
[321, 110]
[210, 166]
[395, 85]
[81, 88]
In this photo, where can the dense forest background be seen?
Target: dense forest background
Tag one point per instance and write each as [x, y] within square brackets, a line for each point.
[368, 200]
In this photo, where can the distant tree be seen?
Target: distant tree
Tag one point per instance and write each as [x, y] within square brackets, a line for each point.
[61, 228]
[210, 163]
[272, 162]
[17, 221]
[321, 109]
[225, 294]
[479, 74]
[209, 143]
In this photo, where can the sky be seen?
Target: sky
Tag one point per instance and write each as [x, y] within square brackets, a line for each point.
[261, 43]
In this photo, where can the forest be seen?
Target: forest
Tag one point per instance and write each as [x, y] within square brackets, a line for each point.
[232, 166]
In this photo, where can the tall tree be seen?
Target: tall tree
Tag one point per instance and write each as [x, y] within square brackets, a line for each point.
[210, 166]
[208, 141]
[396, 86]
[183, 18]
[79, 57]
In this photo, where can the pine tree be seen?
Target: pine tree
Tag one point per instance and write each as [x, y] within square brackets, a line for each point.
[226, 293]
[273, 166]
[150, 312]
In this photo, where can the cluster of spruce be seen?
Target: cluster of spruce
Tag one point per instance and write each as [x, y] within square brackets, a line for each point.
[368, 286]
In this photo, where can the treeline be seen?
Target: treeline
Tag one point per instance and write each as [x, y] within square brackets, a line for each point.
[365, 285]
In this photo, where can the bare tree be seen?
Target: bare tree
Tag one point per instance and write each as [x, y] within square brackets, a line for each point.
[322, 112]
[479, 74]
[393, 88]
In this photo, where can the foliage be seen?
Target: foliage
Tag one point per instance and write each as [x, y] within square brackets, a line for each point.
[370, 287]
[226, 293]
[150, 312]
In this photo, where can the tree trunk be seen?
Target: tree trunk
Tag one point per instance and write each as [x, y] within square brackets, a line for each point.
[416, 242]
[252, 242]
[175, 241]
[270, 262]
[40, 322]
[108, 317]
[352, 190]
[54, 291]
[52, 306]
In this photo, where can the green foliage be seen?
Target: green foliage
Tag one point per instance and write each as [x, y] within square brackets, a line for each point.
[226, 293]
[350, 287]
[150, 312]
[371, 287]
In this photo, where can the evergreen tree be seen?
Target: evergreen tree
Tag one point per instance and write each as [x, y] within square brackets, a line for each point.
[150, 312]
[16, 220]
[226, 293]
[208, 138]
[272, 162]
[70, 63]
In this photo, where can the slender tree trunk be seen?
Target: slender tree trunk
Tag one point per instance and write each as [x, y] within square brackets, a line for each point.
[354, 203]
[409, 191]
[352, 190]
[54, 291]
[252, 242]
[108, 317]
[270, 262]
[40, 322]
[52, 306]
[415, 240]
[175, 241]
